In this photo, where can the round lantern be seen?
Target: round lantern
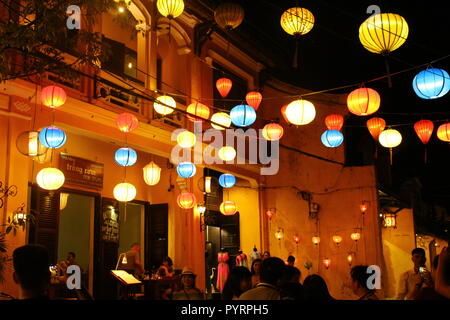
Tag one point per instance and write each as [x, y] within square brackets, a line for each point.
[186, 169]
[390, 138]
[229, 15]
[337, 239]
[222, 119]
[242, 115]
[28, 144]
[227, 180]
[124, 192]
[300, 112]
[297, 21]
[296, 239]
[125, 157]
[170, 8]
[431, 83]
[270, 213]
[334, 121]
[443, 132]
[279, 234]
[253, 99]
[50, 178]
[152, 174]
[228, 208]
[186, 139]
[355, 236]
[126, 122]
[363, 101]
[383, 33]
[315, 240]
[350, 259]
[52, 137]
[272, 131]
[224, 85]
[332, 138]
[326, 262]
[186, 200]
[162, 109]
[376, 127]
[227, 153]
[53, 96]
[424, 130]
[197, 112]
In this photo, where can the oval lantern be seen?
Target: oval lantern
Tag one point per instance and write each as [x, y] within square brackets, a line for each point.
[186, 139]
[125, 157]
[197, 112]
[53, 96]
[300, 112]
[170, 8]
[186, 200]
[228, 208]
[52, 137]
[297, 21]
[390, 138]
[186, 169]
[253, 99]
[152, 174]
[272, 131]
[363, 101]
[127, 122]
[376, 126]
[162, 109]
[227, 180]
[315, 240]
[229, 15]
[222, 119]
[334, 121]
[332, 138]
[50, 179]
[355, 236]
[424, 130]
[242, 115]
[443, 132]
[124, 192]
[227, 153]
[224, 85]
[431, 83]
[383, 33]
[28, 144]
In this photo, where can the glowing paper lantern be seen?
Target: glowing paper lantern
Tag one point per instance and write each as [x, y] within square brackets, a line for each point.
[186, 200]
[52, 137]
[297, 21]
[253, 99]
[227, 180]
[300, 112]
[296, 239]
[28, 144]
[332, 138]
[272, 131]
[334, 121]
[162, 109]
[50, 179]
[124, 192]
[383, 33]
[270, 213]
[227, 153]
[279, 234]
[127, 122]
[350, 259]
[355, 236]
[424, 130]
[229, 15]
[363, 101]
[198, 111]
[363, 207]
[390, 138]
[376, 127]
[152, 174]
[390, 220]
[315, 240]
[242, 115]
[228, 208]
[53, 96]
[186, 139]
[431, 83]
[186, 169]
[443, 132]
[170, 8]
[337, 239]
[326, 262]
[222, 119]
[125, 157]
[224, 85]
[208, 184]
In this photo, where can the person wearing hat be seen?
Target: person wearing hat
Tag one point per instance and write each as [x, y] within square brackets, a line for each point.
[188, 290]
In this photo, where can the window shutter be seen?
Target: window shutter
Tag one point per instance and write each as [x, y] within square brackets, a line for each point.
[156, 234]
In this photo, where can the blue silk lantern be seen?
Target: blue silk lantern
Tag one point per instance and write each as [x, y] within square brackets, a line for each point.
[332, 138]
[186, 169]
[431, 83]
[52, 137]
[242, 115]
[125, 157]
[227, 180]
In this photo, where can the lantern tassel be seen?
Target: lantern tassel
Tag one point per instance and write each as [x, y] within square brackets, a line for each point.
[425, 154]
[376, 152]
[386, 63]
[295, 61]
[390, 154]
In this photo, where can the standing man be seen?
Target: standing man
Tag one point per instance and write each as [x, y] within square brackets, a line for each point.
[134, 264]
[412, 277]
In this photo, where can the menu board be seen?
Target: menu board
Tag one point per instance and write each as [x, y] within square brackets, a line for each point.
[109, 227]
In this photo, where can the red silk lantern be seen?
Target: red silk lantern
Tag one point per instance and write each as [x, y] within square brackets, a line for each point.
[186, 200]
[224, 85]
[334, 122]
[253, 99]
[283, 112]
[272, 131]
[443, 132]
[126, 122]
[198, 111]
[424, 130]
[53, 96]
[296, 239]
[269, 214]
[363, 101]
[376, 127]
[326, 262]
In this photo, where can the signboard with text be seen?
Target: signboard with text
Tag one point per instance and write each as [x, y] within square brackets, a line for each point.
[81, 172]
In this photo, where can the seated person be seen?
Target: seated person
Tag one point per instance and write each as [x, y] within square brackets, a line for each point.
[188, 290]
[166, 268]
[70, 260]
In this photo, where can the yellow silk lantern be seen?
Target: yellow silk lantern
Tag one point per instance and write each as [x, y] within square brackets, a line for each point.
[297, 21]
[315, 240]
[300, 112]
[186, 139]
[228, 208]
[162, 109]
[152, 174]
[222, 119]
[50, 178]
[355, 236]
[124, 192]
[227, 153]
[170, 8]
[390, 138]
[337, 239]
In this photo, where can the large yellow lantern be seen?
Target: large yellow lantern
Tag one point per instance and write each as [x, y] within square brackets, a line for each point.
[162, 109]
[152, 174]
[229, 15]
[300, 112]
[297, 21]
[363, 101]
[186, 139]
[124, 192]
[228, 208]
[170, 8]
[50, 179]
[227, 153]
[222, 119]
[390, 138]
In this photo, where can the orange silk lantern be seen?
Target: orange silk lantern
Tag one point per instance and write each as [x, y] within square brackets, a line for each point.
[228, 208]
[53, 96]
[283, 112]
[443, 132]
[424, 130]
[376, 127]
[224, 85]
[253, 99]
[126, 122]
[363, 101]
[272, 131]
[296, 239]
[326, 262]
[186, 200]
[334, 122]
[197, 112]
